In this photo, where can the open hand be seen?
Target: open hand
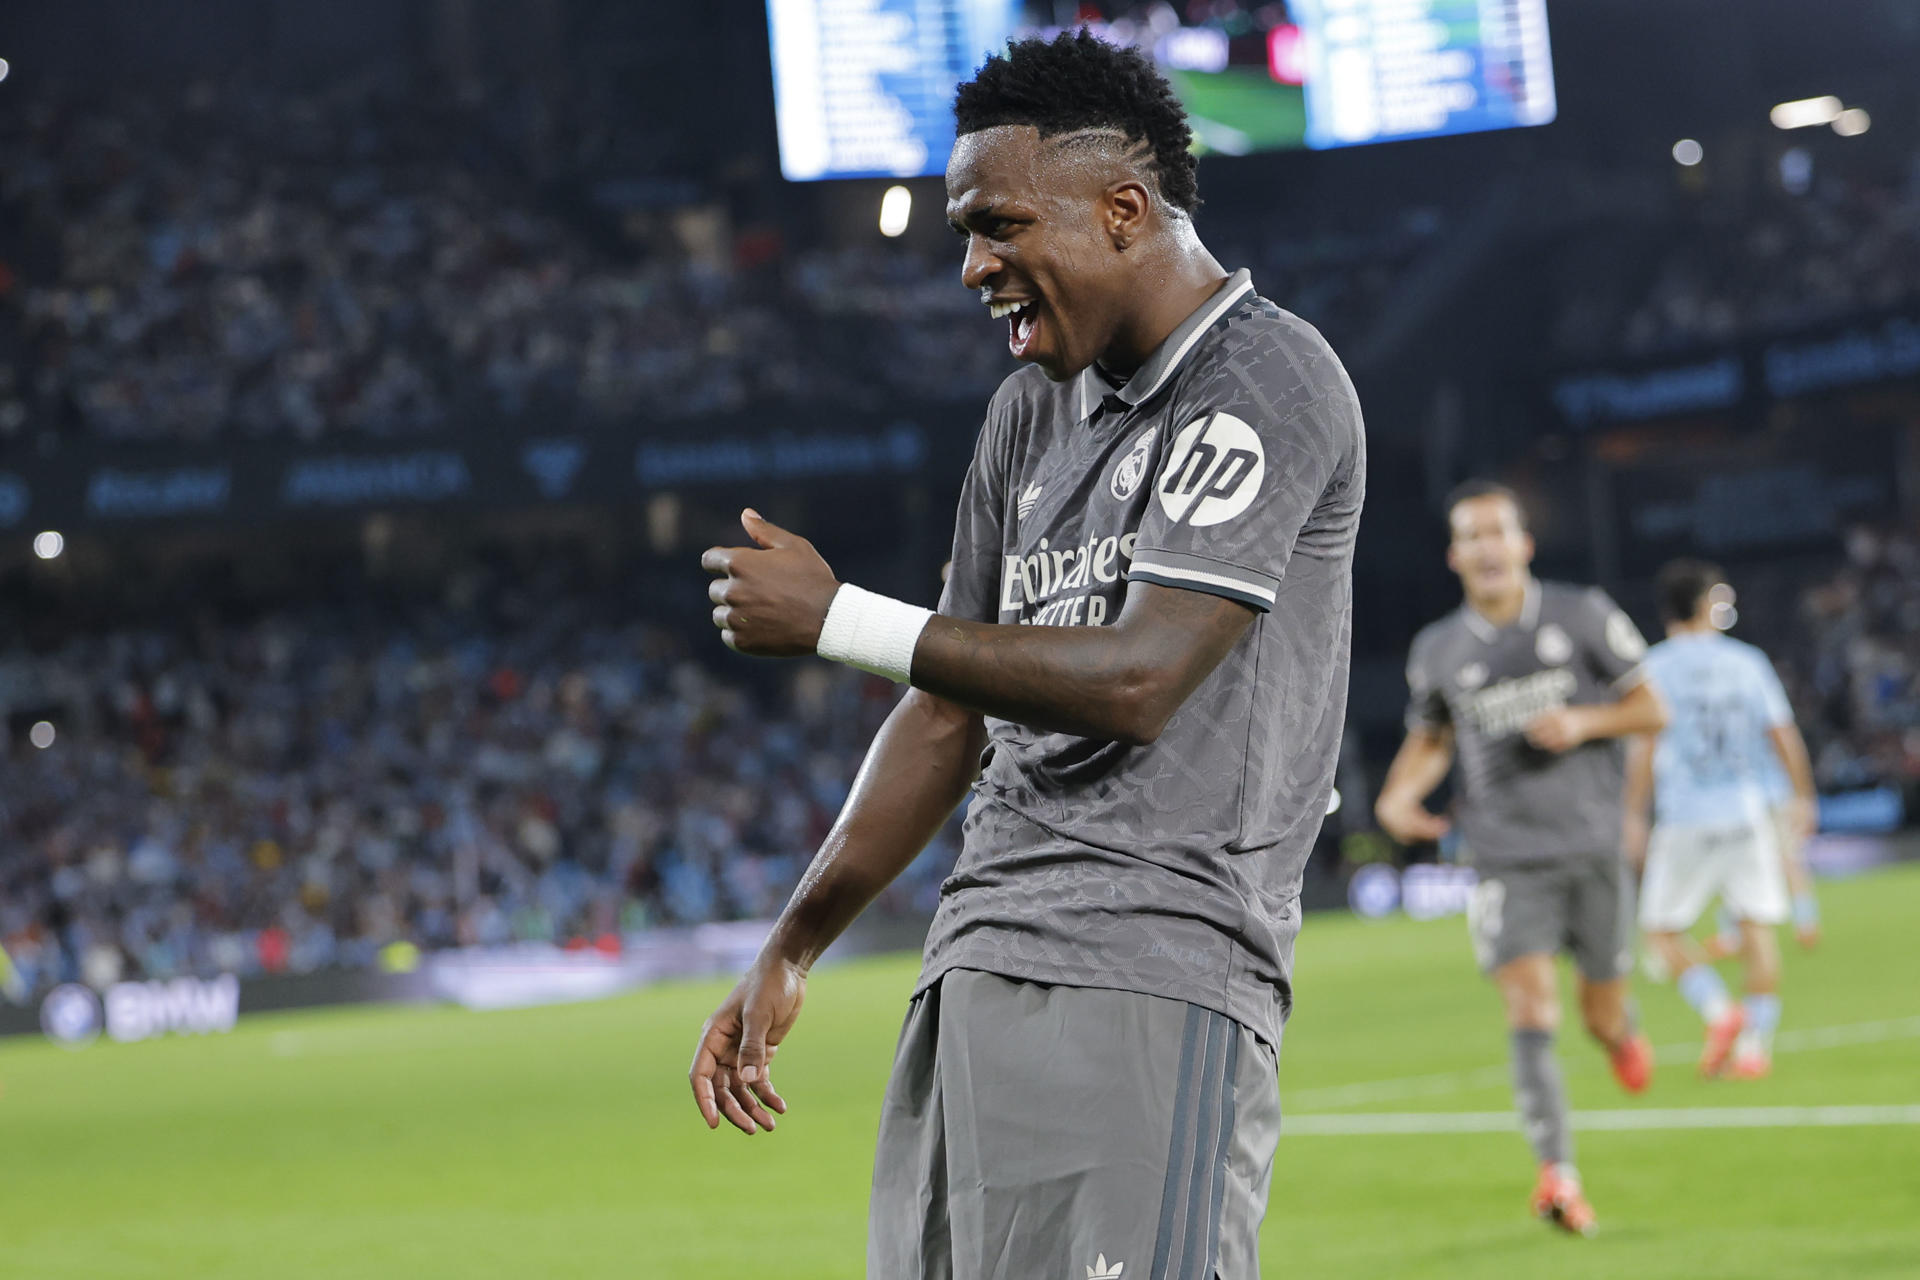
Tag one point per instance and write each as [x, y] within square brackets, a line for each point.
[731, 1073]
[769, 599]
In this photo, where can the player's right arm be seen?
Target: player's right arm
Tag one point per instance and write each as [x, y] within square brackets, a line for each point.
[1423, 759]
[917, 770]
[1418, 767]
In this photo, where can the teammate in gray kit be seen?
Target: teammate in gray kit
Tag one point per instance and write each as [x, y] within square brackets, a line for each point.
[1531, 685]
[1139, 667]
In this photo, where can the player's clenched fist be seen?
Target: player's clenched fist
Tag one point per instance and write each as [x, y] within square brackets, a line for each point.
[770, 599]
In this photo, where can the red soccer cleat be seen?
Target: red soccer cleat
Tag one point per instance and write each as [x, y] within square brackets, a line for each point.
[1557, 1199]
[1721, 1034]
[1750, 1066]
[1633, 1063]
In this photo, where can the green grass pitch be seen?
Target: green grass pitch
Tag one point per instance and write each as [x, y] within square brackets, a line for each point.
[560, 1142]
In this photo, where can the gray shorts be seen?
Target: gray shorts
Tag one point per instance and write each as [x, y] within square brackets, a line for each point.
[1032, 1132]
[1583, 905]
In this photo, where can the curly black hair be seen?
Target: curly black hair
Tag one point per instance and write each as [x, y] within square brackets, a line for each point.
[1075, 82]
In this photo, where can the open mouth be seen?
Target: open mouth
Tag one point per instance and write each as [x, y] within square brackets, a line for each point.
[1022, 322]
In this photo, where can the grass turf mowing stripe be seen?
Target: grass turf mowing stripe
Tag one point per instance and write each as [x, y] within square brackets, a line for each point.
[1446, 1082]
[1419, 1122]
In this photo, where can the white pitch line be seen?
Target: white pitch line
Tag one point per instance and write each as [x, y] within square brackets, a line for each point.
[1419, 1122]
[1446, 1082]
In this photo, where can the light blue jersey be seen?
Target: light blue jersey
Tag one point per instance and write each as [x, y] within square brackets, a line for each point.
[1710, 766]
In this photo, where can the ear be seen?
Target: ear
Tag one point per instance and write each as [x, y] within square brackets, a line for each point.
[1453, 558]
[1124, 210]
[1526, 554]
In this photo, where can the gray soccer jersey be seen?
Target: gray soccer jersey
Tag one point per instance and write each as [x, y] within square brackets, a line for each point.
[1516, 803]
[1231, 463]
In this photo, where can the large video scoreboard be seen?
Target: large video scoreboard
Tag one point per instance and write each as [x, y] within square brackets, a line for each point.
[864, 88]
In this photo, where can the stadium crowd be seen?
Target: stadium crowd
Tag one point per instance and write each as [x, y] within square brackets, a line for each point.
[525, 759]
[228, 261]
[1853, 668]
[1810, 244]
[304, 788]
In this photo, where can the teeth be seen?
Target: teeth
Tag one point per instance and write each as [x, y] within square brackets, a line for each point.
[1001, 310]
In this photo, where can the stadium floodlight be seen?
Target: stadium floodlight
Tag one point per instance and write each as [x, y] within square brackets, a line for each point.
[1804, 113]
[1852, 122]
[48, 545]
[1688, 152]
[895, 208]
[41, 735]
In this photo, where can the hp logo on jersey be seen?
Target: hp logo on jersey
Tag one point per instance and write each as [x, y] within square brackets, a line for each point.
[1212, 472]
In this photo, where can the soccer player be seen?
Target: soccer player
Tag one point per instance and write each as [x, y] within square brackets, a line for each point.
[1086, 1080]
[1532, 684]
[1713, 833]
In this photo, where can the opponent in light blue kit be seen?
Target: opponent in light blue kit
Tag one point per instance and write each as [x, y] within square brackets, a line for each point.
[1714, 831]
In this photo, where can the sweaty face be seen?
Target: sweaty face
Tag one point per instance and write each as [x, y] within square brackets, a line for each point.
[1491, 549]
[1039, 254]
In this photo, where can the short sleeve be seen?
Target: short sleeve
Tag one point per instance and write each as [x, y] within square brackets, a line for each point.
[1613, 645]
[1426, 705]
[1241, 478]
[1776, 712]
[972, 589]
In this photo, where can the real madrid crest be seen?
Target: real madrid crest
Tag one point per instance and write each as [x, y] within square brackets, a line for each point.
[1133, 468]
[1553, 645]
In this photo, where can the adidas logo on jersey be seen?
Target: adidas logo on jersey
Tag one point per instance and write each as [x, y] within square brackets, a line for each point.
[1028, 500]
[1101, 1271]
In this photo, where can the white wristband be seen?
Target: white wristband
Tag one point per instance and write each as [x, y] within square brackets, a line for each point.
[872, 632]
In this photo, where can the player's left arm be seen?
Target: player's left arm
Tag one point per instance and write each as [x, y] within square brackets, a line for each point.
[1121, 682]
[1236, 489]
[1784, 736]
[1611, 646]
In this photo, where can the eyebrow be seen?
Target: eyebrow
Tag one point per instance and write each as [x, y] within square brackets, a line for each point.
[983, 209]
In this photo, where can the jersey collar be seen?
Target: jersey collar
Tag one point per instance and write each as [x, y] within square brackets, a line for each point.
[1529, 614]
[1091, 389]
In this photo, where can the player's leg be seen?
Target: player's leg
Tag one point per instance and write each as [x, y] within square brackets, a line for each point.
[1760, 956]
[1725, 940]
[1087, 1132]
[1600, 936]
[1248, 1172]
[1517, 919]
[908, 1235]
[1684, 868]
[1756, 889]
